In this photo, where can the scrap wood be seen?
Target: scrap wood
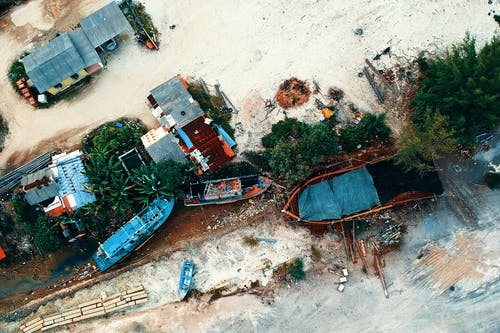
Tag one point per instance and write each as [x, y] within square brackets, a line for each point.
[360, 254]
[382, 78]
[219, 286]
[374, 85]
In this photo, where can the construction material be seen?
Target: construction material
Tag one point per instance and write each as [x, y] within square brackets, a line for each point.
[382, 78]
[374, 85]
[87, 310]
[361, 256]
[378, 268]
[13, 178]
[266, 240]
[390, 235]
[343, 279]
[341, 287]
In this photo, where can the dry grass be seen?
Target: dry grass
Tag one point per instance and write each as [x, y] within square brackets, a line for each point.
[250, 241]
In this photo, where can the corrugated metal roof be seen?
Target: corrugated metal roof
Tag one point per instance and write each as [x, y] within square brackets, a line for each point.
[166, 148]
[85, 49]
[204, 139]
[54, 62]
[175, 100]
[104, 24]
[72, 181]
[41, 191]
[33, 177]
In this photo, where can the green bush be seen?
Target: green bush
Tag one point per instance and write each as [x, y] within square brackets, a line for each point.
[492, 180]
[45, 231]
[16, 72]
[293, 147]
[296, 269]
[352, 137]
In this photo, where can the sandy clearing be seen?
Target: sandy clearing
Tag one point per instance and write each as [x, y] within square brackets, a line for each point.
[250, 48]
[33, 13]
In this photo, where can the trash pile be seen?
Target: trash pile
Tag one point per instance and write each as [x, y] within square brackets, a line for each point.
[292, 93]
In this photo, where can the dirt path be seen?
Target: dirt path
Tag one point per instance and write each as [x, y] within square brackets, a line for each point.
[249, 48]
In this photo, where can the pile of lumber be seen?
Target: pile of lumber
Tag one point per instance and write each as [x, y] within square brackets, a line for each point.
[91, 309]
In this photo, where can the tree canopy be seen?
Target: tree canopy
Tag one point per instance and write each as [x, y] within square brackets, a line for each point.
[464, 86]
[293, 147]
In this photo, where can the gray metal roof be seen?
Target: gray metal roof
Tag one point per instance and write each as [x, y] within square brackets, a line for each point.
[85, 49]
[176, 101]
[53, 62]
[42, 192]
[166, 148]
[60, 58]
[104, 24]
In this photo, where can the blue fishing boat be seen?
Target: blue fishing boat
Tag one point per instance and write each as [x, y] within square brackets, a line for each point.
[133, 234]
[186, 278]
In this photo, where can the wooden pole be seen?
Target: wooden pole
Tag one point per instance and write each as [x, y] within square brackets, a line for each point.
[382, 78]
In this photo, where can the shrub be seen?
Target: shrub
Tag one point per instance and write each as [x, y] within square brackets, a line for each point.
[16, 72]
[296, 269]
[352, 137]
[250, 241]
[492, 180]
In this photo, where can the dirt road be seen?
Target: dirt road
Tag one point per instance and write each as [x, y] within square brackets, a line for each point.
[250, 48]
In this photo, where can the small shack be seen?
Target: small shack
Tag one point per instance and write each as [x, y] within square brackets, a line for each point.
[70, 57]
[185, 130]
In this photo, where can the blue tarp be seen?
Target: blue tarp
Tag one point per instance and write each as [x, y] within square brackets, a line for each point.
[339, 196]
[185, 138]
[225, 136]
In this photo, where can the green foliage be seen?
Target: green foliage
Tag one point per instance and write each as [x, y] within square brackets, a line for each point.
[46, 234]
[213, 106]
[293, 147]
[352, 136]
[24, 212]
[492, 180]
[259, 159]
[106, 176]
[370, 130]
[296, 269]
[109, 138]
[234, 169]
[497, 18]
[419, 147]
[45, 231]
[289, 129]
[158, 180]
[4, 130]
[464, 86]
[16, 72]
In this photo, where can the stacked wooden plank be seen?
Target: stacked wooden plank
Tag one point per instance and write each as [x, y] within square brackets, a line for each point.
[91, 309]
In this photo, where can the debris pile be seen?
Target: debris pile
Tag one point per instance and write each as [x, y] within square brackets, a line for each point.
[292, 93]
[390, 235]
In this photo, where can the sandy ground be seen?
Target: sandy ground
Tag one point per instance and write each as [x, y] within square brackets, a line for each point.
[248, 47]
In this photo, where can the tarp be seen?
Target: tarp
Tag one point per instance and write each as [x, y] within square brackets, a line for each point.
[339, 196]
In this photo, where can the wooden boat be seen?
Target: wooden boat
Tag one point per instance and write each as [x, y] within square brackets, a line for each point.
[227, 190]
[357, 191]
[186, 278]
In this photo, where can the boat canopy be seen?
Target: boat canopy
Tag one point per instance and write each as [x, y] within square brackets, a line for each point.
[339, 196]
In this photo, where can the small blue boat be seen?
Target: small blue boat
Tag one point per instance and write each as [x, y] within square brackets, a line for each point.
[133, 233]
[186, 278]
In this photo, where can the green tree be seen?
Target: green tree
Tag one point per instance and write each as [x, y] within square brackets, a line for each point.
[464, 86]
[418, 148]
[287, 161]
[352, 137]
[46, 234]
[162, 180]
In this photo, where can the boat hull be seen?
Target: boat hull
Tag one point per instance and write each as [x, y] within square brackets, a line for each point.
[256, 191]
[186, 278]
[133, 234]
